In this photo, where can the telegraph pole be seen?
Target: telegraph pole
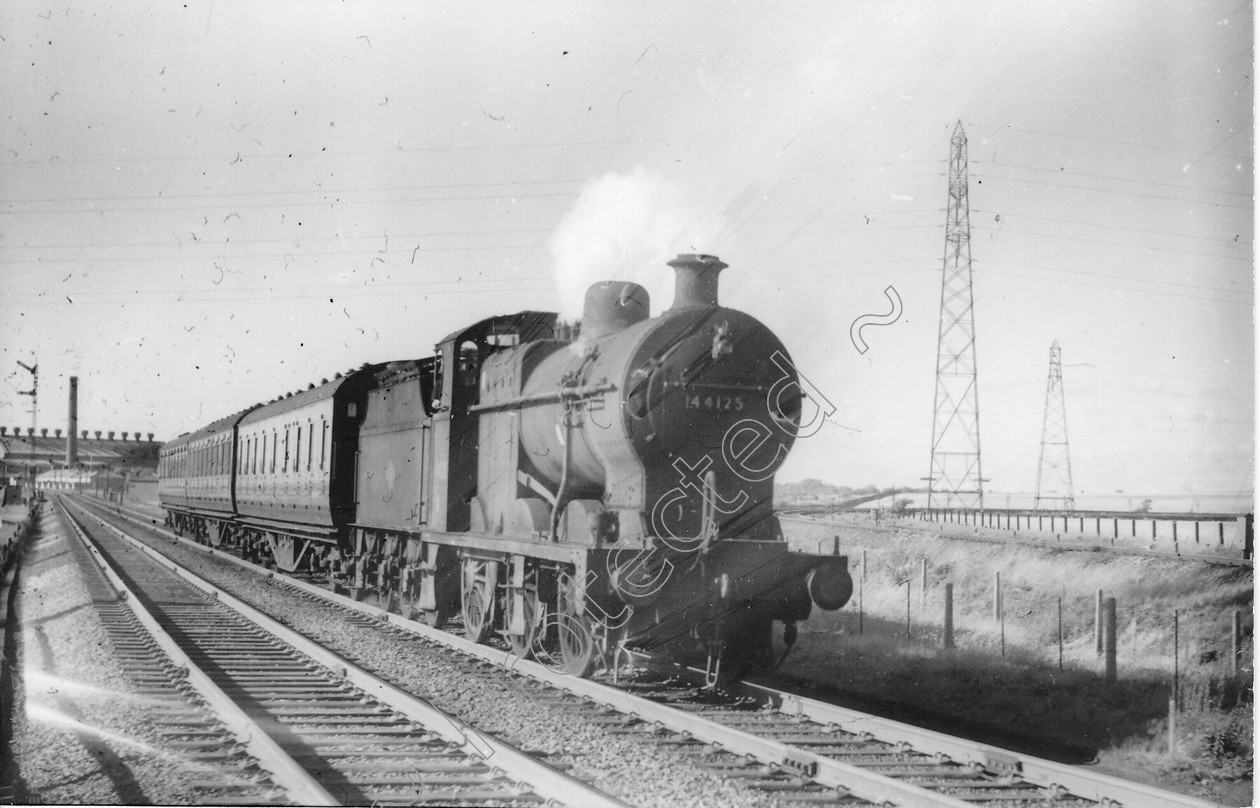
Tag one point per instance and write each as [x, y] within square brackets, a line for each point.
[1054, 466]
[955, 480]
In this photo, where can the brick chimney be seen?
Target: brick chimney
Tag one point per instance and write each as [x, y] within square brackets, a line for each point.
[72, 443]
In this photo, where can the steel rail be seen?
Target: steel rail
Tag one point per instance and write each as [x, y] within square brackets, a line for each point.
[285, 771]
[1101, 788]
[863, 784]
[546, 781]
[1038, 771]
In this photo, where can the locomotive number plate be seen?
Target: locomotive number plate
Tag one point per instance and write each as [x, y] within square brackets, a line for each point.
[716, 403]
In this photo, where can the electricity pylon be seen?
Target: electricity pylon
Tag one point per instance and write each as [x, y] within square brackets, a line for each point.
[1054, 466]
[955, 480]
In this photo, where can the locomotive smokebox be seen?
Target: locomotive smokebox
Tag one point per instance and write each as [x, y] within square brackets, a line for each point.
[695, 281]
[613, 306]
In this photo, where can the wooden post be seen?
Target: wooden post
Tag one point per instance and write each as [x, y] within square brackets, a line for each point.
[1109, 651]
[1237, 640]
[861, 592]
[1098, 623]
[1172, 726]
[1176, 682]
[949, 615]
[923, 580]
[1060, 599]
[997, 595]
[835, 545]
[908, 588]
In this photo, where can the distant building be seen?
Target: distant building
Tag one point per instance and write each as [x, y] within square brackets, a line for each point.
[25, 456]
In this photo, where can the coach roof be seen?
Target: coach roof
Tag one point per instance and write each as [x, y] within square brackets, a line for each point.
[305, 398]
[221, 425]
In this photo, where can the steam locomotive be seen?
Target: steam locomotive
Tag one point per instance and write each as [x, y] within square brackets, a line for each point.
[573, 490]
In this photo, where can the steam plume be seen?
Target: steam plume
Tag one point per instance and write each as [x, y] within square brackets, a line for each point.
[622, 227]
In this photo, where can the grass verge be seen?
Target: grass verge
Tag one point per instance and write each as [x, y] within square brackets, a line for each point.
[1003, 682]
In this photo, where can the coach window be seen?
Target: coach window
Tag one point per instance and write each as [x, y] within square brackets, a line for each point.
[285, 465]
[310, 442]
[297, 450]
[323, 442]
[275, 449]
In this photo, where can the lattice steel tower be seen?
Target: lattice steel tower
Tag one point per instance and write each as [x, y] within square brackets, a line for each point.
[955, 480]
[1054, 467]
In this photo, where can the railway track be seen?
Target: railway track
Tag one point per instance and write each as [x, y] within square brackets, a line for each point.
[283, 720]
[807, 750]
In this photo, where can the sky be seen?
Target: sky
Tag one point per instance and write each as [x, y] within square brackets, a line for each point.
[204, 205]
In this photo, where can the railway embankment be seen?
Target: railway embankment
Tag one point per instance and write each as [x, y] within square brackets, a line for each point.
[1027, 667]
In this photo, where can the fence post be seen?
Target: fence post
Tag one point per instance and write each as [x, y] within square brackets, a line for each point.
[1098, 623]
[1175, 698]
[835, 545]
[1237, 640]
[1172, 726]
[1109, 663]
[908, 588]
[1060, 599]
[997, 595]
[862, 592]
[923, 579]
[949, 615]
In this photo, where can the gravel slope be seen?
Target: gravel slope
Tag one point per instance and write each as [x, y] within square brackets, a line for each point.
[78, 736]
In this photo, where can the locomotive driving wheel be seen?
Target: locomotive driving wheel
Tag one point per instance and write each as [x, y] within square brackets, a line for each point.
[531, 611]
[575, 632]
[477, 598]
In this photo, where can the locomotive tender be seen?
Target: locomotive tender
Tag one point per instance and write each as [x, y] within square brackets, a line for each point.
[574, 493]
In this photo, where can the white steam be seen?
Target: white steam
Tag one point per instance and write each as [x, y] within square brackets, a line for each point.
[623, 227]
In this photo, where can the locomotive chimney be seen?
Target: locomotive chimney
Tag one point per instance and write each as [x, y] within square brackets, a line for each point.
[695, 280]
[72, 441]
[612, 306]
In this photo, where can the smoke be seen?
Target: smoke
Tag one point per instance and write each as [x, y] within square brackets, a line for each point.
[623, 227]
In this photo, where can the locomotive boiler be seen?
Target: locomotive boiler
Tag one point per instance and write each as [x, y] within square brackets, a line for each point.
[571, 490]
